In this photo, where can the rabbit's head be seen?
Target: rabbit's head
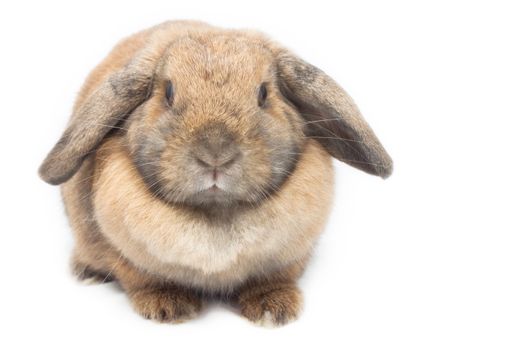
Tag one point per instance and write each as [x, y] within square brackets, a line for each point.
[217, 119]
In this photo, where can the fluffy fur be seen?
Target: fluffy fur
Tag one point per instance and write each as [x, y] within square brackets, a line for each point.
[197, 162]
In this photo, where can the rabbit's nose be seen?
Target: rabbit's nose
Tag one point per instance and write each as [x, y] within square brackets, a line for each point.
[215, 147]
[221, 162]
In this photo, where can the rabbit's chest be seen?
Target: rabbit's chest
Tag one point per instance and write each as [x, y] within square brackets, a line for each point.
[207, 248]
[202, 246]
[171, 244]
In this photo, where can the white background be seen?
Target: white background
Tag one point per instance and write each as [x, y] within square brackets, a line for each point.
[432, 258]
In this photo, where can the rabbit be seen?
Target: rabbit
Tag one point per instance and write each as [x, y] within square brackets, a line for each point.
[197, 164]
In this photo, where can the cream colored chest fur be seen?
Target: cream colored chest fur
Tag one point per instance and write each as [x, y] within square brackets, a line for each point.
[187, 247]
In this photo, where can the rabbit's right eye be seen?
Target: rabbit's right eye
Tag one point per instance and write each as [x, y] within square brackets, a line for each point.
[169, 93]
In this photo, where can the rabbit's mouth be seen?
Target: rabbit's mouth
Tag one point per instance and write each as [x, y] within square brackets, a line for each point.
[213, 194]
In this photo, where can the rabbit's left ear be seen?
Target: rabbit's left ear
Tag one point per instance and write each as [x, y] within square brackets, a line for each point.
[331, 116]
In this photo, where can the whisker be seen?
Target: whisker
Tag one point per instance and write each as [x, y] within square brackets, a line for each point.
[112, 268]
[319, 121]
[337, 138]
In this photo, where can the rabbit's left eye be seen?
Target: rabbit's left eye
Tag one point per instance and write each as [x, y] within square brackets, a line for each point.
[263, 95]
[169, 93]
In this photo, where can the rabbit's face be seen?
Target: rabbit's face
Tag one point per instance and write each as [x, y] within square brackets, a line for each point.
[215, 128]
[213, 117]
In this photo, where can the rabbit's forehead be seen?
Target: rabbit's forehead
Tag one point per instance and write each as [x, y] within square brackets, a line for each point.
[219, 59]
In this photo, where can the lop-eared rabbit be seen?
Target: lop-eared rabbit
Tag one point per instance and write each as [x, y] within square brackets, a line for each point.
[197, 163]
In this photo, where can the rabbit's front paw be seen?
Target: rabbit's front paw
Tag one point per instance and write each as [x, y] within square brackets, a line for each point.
[170, 305]
[271, 306]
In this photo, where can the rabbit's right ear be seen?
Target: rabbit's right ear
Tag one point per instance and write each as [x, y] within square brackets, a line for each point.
[111, 102]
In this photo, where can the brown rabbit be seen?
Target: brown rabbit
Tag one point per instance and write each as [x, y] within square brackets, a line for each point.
[197, 163]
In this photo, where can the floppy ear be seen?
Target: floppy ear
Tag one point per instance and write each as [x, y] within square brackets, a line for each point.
[112, 101]
[331, 116]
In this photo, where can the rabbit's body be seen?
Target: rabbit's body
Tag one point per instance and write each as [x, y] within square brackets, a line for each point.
[197, 162]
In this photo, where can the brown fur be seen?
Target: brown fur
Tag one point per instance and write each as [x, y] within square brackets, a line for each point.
[134, 164]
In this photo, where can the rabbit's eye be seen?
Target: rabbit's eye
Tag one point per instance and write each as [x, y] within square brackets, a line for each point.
[263, 94]
[169, 93]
